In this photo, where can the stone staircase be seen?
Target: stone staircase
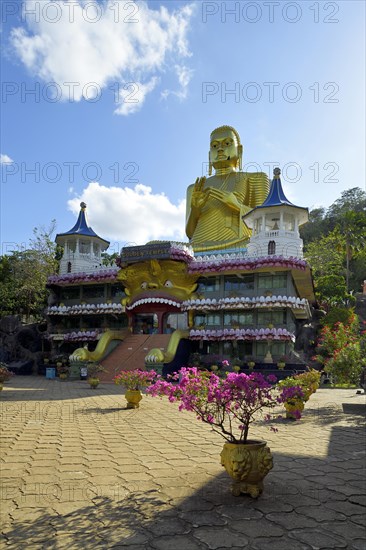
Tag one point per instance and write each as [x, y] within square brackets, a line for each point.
[130, 353]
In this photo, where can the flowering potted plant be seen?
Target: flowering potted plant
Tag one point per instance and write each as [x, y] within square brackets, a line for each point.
[294, 397]
[229, 405]
[250, 361]
[282, 362]
[62, 370]
[93, 370]
[5, 374]
[134, 381]
[225, 364]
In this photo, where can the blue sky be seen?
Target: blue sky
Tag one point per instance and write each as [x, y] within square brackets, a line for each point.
[295, 69]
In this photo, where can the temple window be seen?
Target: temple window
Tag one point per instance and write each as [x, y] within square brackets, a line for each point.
[69, 267]
[271, 247]
[271, 317]
[70, 293]
[238, 282]
[202, 320]
[117, 292]
[207, 284]
[241, 319]
[272, 281]
[93, 291]
[146, 323]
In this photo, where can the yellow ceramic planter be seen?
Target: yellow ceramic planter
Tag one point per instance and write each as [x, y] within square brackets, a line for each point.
[293, 405]
[93, 383]
[247, 464]
[133, 398]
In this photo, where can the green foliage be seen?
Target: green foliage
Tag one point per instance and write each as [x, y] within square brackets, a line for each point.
[325, 255]
[351, 200]
[109, 259]
[340, 350]
[335, 246]
[23, 275]
[337, 315]
[332, 289]
[346, 364]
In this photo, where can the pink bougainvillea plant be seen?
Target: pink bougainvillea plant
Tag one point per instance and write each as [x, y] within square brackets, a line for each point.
[228, 404]
[135, 379]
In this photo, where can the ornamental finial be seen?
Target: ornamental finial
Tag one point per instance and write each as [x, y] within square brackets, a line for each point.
[277, 173]
[83, 205]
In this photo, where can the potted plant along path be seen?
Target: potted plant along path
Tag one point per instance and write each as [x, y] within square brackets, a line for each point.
[281, 364]
[229, 405]
[134, 381]
[306, 383]
[93, 370]
[62, 370]
[5, 374]
[294, 397]
[250, 362]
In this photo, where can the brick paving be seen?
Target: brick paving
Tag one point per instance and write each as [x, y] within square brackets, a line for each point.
[80, 471]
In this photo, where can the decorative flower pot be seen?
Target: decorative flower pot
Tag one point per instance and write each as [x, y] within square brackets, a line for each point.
[281, 365]
[133, 398]
[247, 464]
[62, 376]
[251, 365]
[294, 408]
[93, 383]
[236, 368]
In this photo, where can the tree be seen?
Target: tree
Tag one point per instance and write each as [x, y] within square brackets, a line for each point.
[315, 226]
[109, 259]
[352, 225]
[325, 255]
[351, 200]
[340, 351]
[23, 275]
[335, 246]
[332, 290]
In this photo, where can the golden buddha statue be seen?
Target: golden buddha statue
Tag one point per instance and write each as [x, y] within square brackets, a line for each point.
[215, 205]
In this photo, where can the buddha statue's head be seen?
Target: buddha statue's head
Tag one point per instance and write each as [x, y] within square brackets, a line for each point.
[226, 151]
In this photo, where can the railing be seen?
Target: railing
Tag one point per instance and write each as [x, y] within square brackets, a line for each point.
[276, 233]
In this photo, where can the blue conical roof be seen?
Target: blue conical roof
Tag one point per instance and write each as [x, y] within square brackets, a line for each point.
[81, 227]
[276, 196]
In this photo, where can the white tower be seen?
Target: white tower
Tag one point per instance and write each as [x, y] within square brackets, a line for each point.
[82, 247]
[275, 224]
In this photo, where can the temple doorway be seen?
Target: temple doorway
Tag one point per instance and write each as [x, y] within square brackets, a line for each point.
[146, 323]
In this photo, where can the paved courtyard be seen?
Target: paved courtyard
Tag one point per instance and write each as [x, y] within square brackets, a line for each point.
[80, 471]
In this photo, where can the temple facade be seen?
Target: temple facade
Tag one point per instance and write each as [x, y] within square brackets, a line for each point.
[235, 302]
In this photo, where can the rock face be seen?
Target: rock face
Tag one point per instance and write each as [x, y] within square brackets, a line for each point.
[306, 334]
[18, 342]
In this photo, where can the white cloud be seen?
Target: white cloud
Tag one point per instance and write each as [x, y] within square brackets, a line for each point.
[184, 75]
[74, 51]
[131, 215]
[132, 96]
[5, 159]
